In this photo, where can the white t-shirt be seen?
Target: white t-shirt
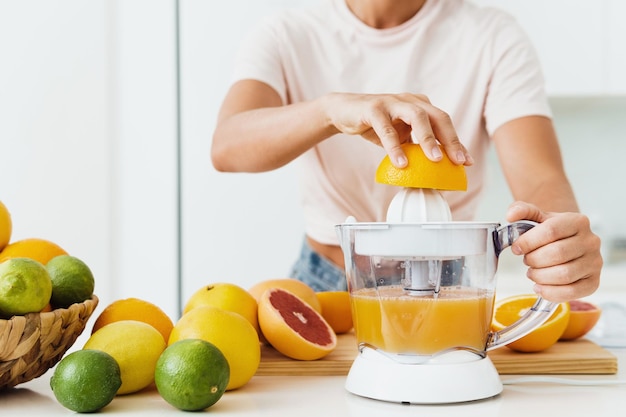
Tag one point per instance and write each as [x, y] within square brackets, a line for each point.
[474, 63]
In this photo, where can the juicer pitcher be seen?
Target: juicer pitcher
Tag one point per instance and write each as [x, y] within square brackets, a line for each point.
[422, 297]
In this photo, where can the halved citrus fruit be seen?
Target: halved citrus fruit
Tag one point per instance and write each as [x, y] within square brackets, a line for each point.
[299, 288]
[421, 172]
[583, 316]
[293, 327]
[511, 309]
[336, 309]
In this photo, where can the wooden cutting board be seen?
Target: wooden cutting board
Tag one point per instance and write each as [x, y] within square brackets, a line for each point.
[573, 357]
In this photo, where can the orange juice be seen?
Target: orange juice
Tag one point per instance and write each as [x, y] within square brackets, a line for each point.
[396, 322]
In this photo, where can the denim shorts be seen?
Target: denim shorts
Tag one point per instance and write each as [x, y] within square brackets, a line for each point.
[318, 272]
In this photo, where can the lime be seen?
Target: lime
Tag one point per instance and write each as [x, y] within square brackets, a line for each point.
[25, 287]
[86, 380]
[135, 345]
[72, 280]
[192, 374]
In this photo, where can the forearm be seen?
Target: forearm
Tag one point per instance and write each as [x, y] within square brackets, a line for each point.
[551, 194]
[267, 138]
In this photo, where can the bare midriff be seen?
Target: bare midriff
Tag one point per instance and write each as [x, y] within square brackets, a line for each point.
[330, 252]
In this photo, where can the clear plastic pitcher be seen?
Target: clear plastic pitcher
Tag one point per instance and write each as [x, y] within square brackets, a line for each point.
[420, 290]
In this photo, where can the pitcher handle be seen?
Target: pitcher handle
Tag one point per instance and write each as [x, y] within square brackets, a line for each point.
[541, 311]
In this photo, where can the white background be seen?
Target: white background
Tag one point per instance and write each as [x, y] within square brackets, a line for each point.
[88, 137]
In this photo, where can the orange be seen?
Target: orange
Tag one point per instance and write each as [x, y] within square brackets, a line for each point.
[582, 317]
[230, 332]
[421, 172]
[299, 288]
[293, 327]
[41, 250]
[510, 309]
[336, 309]
[226, 296]
[138, 310]
[6, 226]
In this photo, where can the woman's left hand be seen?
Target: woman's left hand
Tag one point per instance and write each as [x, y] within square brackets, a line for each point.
[562, 253]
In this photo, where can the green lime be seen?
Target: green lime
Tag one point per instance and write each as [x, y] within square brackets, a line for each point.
[86, 380]
[25, 287]
[192, 374]
[72, 281]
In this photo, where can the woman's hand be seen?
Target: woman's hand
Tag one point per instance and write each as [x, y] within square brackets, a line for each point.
[562, 253]
[390, 120]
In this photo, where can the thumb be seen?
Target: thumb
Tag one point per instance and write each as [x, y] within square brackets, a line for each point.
[520, 210]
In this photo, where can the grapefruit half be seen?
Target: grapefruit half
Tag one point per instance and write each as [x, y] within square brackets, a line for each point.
[293, 327]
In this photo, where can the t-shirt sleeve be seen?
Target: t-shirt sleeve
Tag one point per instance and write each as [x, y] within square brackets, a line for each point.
[259, 57]
[517, 86]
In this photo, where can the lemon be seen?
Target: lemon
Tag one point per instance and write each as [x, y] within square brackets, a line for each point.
[6, 226]
[233, 335]
[86, 380]
[226, 296]
[72, 280]
[136, 346]
[25, 287]
[192, 374]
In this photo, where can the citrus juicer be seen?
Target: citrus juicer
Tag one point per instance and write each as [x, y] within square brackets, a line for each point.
[422, 289]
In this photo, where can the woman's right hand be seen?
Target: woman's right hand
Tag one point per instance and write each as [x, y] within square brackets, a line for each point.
[389, 120]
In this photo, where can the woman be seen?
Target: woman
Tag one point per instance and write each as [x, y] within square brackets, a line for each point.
[311, 85]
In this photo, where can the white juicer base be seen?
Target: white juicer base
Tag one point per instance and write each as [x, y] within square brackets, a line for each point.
[378, 377]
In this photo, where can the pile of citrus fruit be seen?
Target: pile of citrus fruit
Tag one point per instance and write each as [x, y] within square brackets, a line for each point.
[214, 347]
[37, 274]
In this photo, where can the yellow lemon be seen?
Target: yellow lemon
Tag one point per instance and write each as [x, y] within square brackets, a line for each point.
[6, 226]
[136, 346]
[230, 332]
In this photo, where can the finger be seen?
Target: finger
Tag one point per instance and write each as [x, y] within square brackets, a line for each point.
[520, 210]
[560, 293]
[447, 136]
[445, 133]
[389, 139]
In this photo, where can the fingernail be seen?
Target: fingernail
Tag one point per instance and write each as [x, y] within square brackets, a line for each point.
[460, 157]
[516, 250]
[435, 152]
[469, 158]
[401, 161]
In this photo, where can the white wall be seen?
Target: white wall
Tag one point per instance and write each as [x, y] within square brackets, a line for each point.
[55, 126]
[88, 151]
[240, 228]
[88, 137]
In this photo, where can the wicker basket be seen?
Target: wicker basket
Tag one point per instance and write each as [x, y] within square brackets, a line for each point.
[33, 343]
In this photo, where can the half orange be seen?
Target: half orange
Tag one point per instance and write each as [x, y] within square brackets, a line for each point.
[511, 309]
[421, 172]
